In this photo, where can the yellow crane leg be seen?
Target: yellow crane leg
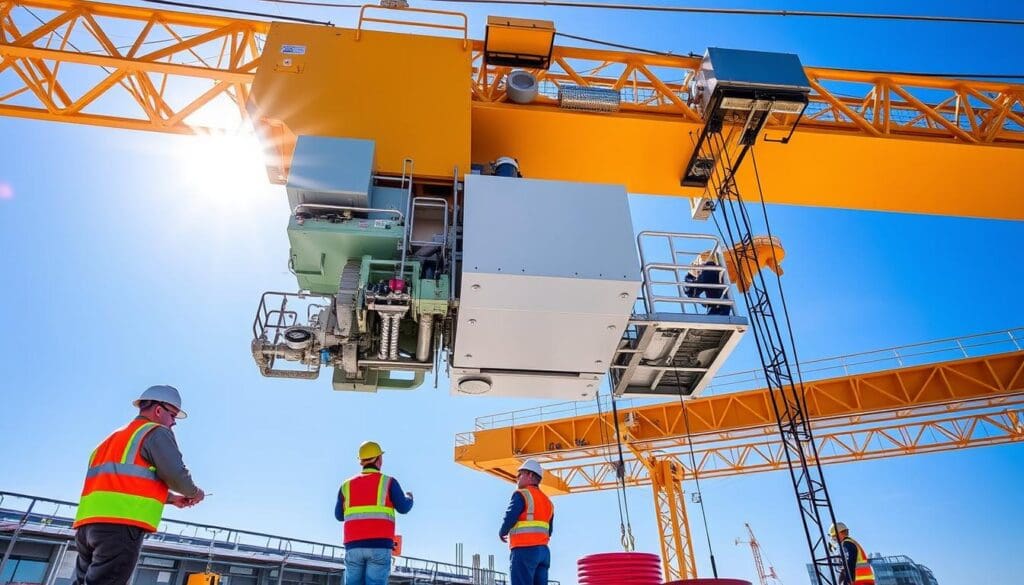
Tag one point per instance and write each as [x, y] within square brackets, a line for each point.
[673, 525]
[670, 511]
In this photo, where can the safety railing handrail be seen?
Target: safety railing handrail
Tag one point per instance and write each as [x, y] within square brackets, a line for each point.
[431, 203]
[673, 264]
[463, 28]
[171, 529]
[975, 345]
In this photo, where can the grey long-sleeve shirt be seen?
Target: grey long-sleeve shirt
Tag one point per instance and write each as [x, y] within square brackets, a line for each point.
[160, 449]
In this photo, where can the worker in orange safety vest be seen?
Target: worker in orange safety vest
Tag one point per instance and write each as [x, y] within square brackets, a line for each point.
[855, 558]
[529, 521]
[131, 475]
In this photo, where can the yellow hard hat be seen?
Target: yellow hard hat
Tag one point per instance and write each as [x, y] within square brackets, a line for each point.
[837, 528]
[369, 450]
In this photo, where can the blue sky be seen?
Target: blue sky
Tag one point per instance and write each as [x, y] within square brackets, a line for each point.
[127, 263]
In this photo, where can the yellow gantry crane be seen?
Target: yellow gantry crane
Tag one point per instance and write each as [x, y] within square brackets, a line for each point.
[889, 409]
[866, 140]
[884, 141]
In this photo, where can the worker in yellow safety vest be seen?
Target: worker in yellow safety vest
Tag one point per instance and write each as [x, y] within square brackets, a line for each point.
[527, 528]
[856, 560]
[131, 475]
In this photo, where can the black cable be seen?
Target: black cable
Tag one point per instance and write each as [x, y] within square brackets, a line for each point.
[620, 46]
[696, 479]
[242, 12]
[930, 73]
[317, 4]
[746, 11]
[778, 279]
[622, 475]
[729, 196]
[802, 394]
[620, 470]
[630, 7]
[691, 54]
[70, 44]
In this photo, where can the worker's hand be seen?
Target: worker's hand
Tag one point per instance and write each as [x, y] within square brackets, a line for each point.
[199, 497]
[177, 501]
[504, 538]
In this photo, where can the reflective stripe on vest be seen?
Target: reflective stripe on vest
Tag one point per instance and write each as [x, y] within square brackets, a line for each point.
[367, 507]
[120, 486]
[863, 573]
[534, 525]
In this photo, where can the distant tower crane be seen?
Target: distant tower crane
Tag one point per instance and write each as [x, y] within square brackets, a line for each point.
[755, 549]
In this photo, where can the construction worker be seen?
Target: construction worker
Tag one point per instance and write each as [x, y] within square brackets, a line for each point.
[527, 528]
[855, 557]
[367, 504]
[131, 475]
[698, 277]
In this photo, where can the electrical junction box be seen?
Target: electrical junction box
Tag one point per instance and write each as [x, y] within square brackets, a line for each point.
[550, 273]
[331, 171]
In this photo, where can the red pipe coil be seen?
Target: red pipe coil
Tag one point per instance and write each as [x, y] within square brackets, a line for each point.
[620, 568]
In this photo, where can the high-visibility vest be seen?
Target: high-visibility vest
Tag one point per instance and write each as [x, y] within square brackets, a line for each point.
[120, 486]
[534, 524]
[367, 508]
[863, 573]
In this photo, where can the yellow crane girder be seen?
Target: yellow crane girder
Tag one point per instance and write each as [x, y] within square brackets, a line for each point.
[902, 411]
[868, 140]
[942, 406]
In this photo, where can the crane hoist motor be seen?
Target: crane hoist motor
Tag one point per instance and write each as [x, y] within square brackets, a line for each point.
[740, 89]
[515, 286]
[528, 287]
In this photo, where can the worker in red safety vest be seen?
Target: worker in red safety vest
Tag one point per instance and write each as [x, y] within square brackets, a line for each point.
[529, 521]
[131, 475]
[856, 559]
[367, 504]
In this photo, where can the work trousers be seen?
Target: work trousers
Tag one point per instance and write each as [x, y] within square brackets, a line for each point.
[530, 565]
[367, 566]
[107, 553]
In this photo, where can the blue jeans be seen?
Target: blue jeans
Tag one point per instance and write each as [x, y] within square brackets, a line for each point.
[530, 565]
[367, 566]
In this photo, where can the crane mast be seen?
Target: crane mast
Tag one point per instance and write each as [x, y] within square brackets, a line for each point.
[735, 103]
[755, 550]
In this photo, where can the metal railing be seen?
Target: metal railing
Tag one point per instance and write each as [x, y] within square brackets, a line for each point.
[902, 356]
[915, 354]
[431, 203]
[276, 313]
[672, 272]
[343, 209]
[21, 512]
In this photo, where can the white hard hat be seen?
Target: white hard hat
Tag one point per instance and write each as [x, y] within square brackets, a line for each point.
[162, 393]
[837, 528]
[531, 465]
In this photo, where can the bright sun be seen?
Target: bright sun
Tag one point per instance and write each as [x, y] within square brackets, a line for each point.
[227, 167]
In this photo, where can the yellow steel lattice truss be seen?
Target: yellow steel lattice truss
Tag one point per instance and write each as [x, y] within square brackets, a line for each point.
[125, 67]
[933, 407]
[868, 141]
[948, 405]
